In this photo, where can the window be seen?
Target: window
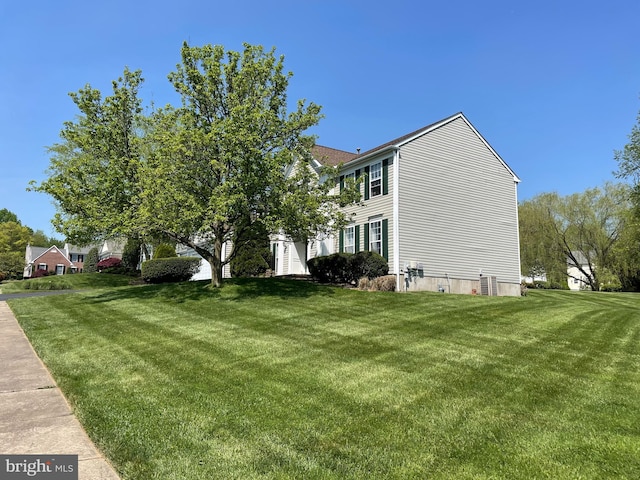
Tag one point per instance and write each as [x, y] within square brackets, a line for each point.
[59, 269]
[375, 237]
[80, 258]
[375, 179]
[42, 266]
[349, 239]
[344, 180]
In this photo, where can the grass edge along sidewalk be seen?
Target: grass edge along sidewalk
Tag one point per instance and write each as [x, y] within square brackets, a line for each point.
[34, 415]
[272, 378]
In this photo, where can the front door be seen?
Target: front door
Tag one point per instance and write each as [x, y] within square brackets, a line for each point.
[298, 265]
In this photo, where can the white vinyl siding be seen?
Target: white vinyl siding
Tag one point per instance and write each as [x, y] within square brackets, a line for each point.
[457, 206]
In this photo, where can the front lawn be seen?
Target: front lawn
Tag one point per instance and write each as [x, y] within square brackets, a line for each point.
[76, 281]
[283, 379]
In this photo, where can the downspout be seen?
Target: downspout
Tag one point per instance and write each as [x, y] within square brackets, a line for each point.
[396, 209]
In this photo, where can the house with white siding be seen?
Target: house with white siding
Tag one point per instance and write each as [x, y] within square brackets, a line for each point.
[439, 204]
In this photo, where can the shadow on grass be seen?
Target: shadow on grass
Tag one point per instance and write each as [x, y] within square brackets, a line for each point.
[237, 289]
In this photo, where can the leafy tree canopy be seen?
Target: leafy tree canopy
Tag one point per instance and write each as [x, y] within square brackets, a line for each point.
[8, 216]
[205, 174]
[93, 170]
[582, 228]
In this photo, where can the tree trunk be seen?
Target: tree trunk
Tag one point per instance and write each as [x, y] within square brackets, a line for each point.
[215, 261]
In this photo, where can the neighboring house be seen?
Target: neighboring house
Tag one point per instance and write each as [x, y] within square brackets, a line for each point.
[575, 278]
[51, 259]
[76, 255]
[56, 260]
[439, 204]
[111, 248]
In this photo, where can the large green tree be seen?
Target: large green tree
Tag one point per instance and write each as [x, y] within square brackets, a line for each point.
[629, 157]
[585, 227]
[216, 168]
[93, 172]
[628, 258]
[541, 254]
[13, 243]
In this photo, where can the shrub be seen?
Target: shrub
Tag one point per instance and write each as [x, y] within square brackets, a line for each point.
[164, 250]
[347, 267]
[386, 283]
[108, 263]
[368, 264]
[131, 254]
[332, 268]
[364, 283]
[251, 261]
[91, 260]
[40, 273]
[164, 270]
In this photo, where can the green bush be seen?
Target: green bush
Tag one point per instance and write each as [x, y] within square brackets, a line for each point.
[164, 250]
[251, 261]
[368, 264]
[164, 270]
[330, 268]
[347, 267]
[131, 254]
[91, 260]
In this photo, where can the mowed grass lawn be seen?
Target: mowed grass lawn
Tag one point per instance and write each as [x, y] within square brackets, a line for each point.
[284, 379]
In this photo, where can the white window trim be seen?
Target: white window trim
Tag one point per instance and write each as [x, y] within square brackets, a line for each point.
[350, 239]
[377, 179]
[375, 241]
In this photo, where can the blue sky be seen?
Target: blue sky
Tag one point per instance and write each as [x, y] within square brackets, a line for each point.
[553, 85]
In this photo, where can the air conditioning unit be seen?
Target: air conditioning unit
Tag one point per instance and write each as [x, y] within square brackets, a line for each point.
[489, 286]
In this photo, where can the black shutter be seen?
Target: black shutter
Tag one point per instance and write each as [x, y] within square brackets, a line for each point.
[385, 176]
[341, 183]
[357, 239]
[385, 239]
[366, 183]
[341, 241]
[366, 237]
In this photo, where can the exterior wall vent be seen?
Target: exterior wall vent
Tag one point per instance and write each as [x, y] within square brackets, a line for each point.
[489, 286]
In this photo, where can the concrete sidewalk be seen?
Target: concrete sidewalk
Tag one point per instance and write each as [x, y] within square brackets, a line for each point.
[34, 415]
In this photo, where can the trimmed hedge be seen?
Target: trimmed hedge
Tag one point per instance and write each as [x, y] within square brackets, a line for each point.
[165, 270]
[347, 267]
